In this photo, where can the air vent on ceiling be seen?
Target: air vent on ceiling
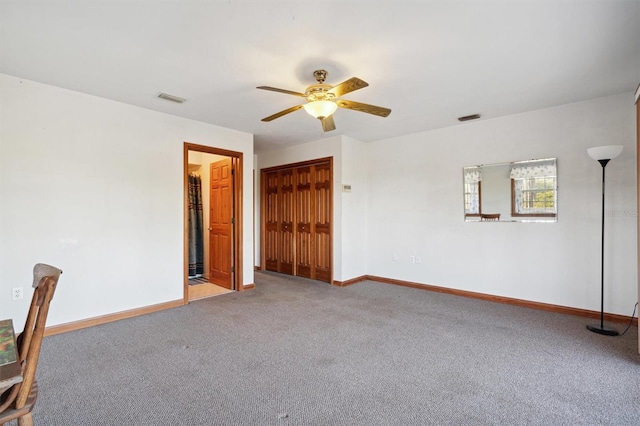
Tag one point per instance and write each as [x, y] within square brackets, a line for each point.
[171, 97]
[469, 117]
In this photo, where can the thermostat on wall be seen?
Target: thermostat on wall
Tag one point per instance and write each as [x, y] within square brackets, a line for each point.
[346, 188]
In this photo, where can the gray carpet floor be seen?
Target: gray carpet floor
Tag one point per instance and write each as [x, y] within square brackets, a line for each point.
[299, 352]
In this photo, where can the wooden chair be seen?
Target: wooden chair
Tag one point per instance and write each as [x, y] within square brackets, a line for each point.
[18, 401]
[490, 217]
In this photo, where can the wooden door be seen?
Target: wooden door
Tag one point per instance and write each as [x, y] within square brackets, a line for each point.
[304, 229]
[286, 262]
[297, 211]
[270, 213]
[322, 202]
[278, 222]
[221, 223]
[313, 221]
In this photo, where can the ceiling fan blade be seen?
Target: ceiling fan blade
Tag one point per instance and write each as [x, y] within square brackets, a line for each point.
[354, 83]
[281, 113]
[369, 109]
[328, 124]
[275, 89]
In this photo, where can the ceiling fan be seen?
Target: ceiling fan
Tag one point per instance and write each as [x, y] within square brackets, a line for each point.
[323, 100]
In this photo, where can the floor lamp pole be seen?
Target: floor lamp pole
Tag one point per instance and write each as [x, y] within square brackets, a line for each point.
[600, 328]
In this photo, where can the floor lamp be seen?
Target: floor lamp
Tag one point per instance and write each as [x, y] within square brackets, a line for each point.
[603, 154]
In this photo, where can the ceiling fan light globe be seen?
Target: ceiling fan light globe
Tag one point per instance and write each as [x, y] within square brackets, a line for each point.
[320, 109]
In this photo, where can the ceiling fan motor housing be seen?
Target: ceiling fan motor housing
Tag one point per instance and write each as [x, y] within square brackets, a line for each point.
[319, 92]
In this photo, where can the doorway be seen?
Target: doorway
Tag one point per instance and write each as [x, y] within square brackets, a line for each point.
[212, 221]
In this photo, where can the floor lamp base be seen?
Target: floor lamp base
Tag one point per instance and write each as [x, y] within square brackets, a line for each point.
[602, 330]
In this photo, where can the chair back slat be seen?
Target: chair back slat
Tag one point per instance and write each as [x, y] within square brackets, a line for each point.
[24, 340]
[45, 293]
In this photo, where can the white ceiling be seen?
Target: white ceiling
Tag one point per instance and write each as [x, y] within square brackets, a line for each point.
[429, 61]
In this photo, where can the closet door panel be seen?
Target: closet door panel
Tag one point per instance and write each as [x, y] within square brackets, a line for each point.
[286, 225]
[271, 231]
[322, 222]
[303, 215]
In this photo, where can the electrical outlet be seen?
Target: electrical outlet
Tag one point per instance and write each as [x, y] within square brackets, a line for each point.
[412, 259]
[17, 293]
[394, 257]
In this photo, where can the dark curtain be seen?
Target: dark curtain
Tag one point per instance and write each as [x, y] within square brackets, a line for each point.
[196, 232]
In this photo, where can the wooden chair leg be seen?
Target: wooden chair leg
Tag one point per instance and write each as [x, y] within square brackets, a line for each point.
[26, 420]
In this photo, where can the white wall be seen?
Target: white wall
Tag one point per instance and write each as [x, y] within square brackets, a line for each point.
[354, 209]
[95, 187]
[415, 207]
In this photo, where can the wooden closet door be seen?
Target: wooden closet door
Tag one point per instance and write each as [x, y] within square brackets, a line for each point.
[286, 218]
[303, 216]
[322, 199]
[297, 211]
[271, 228]
[279, 226]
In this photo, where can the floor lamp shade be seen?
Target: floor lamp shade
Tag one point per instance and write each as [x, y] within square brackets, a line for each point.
[603, 154]
[607, 152]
